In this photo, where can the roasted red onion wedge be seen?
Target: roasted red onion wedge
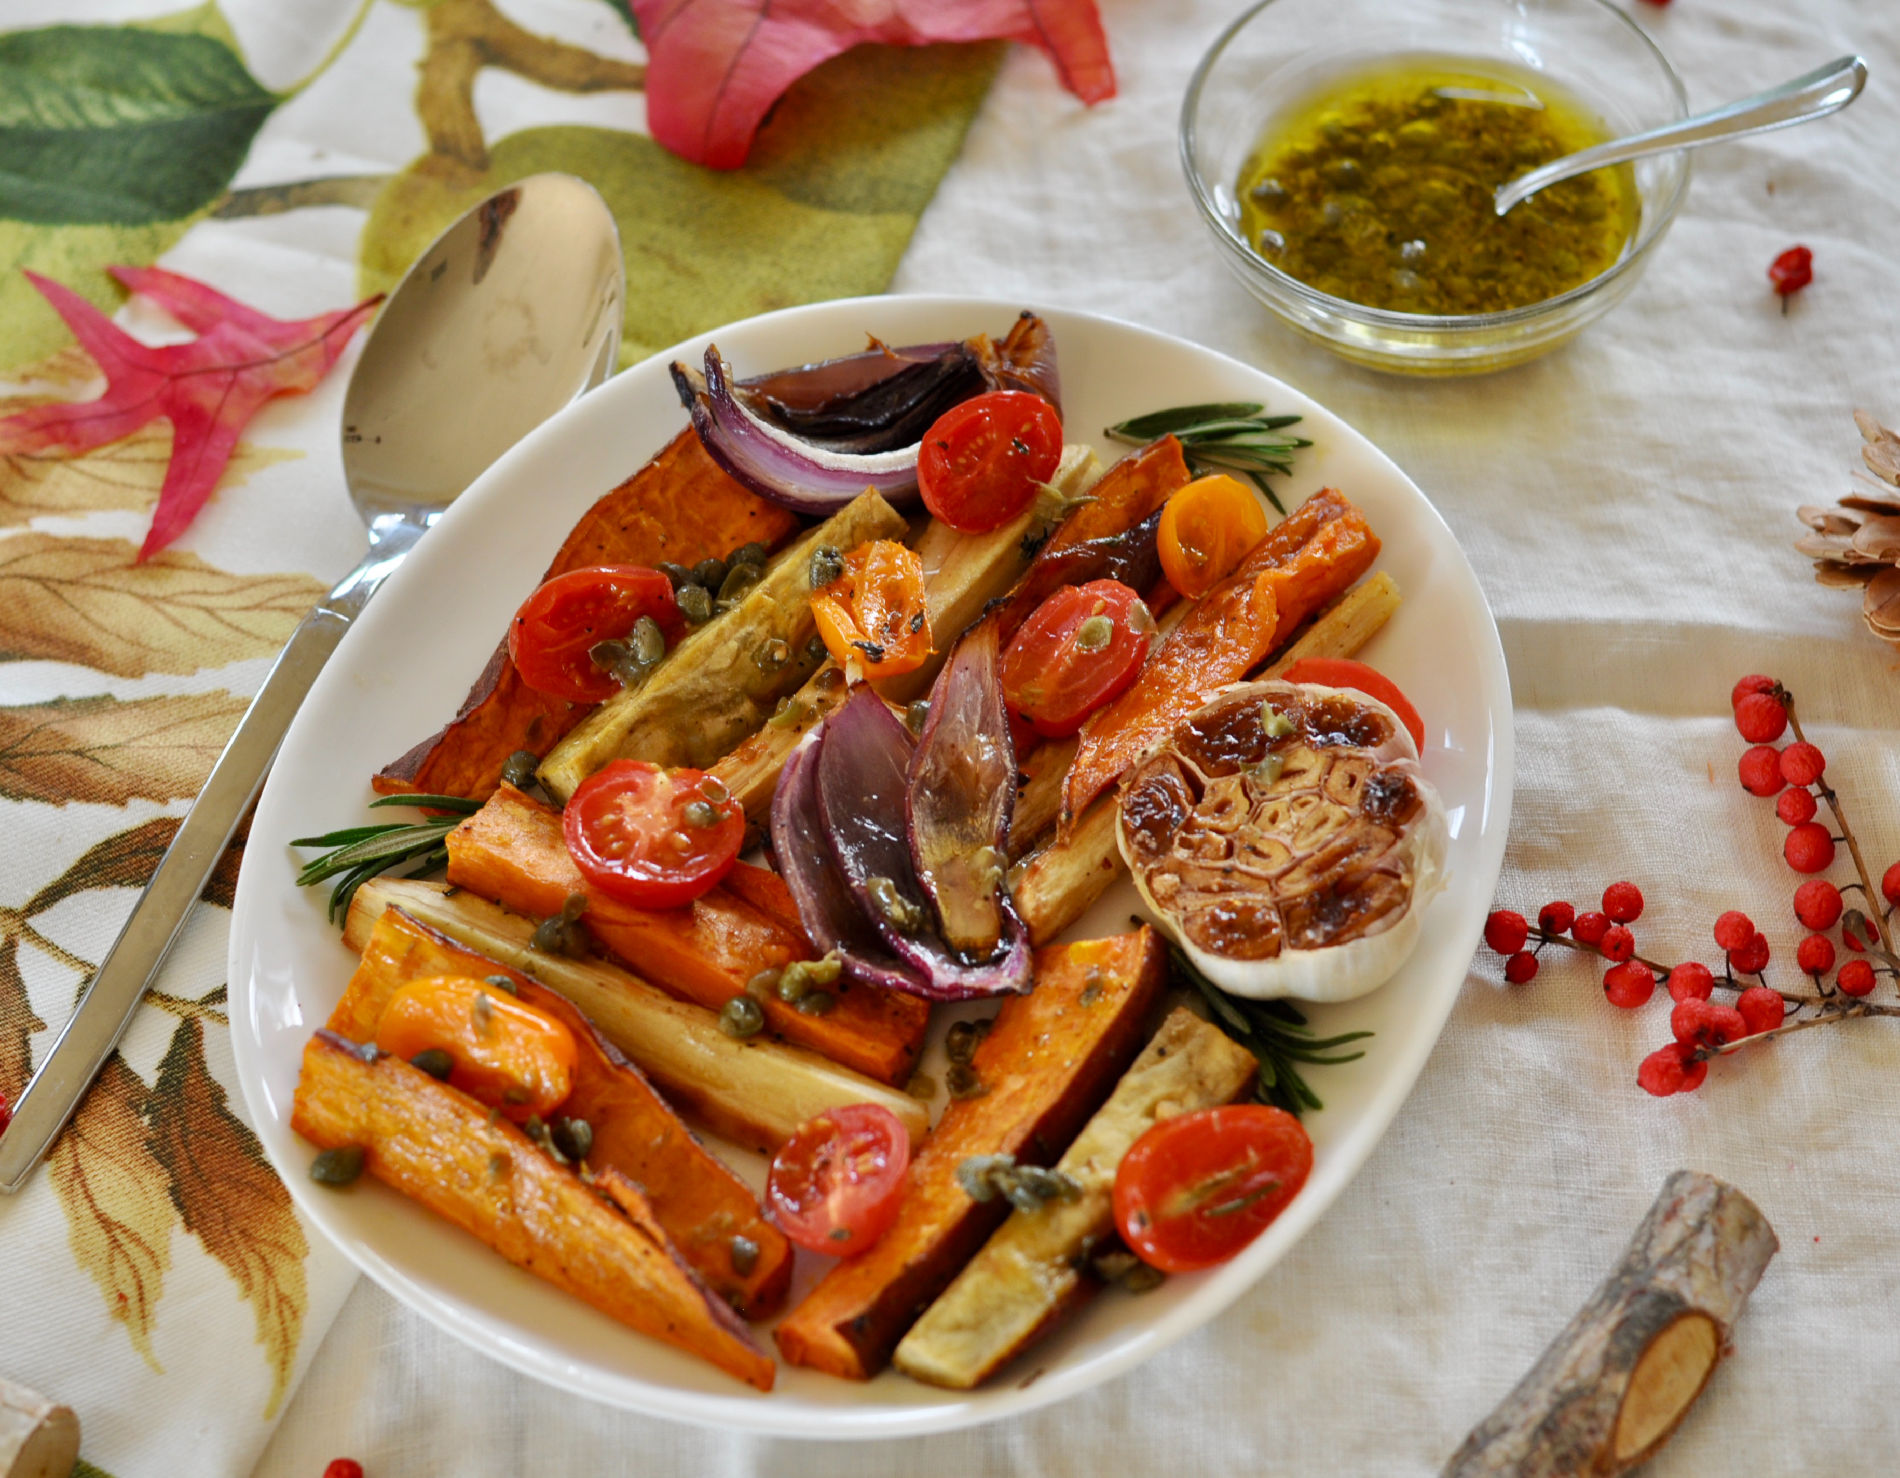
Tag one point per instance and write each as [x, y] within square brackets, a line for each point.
[864, 754]
[1286, 839]
[826, 906]
[962, 792]
[876, 401]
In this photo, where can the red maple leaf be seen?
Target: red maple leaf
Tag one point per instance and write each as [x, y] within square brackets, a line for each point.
[208, 388]
[714, 67]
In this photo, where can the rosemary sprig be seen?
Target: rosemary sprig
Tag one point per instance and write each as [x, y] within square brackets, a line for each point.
[1276, 1033]
[359, 853]
[1223, 436]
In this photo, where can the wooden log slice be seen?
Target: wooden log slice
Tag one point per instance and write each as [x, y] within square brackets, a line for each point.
[1613, 1387]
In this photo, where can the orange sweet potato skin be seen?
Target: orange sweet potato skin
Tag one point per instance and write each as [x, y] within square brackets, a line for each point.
[1048, 1063]
[681, 507]
[512, 851]
[438, 1147]
[1306, 559]
[700, 1202]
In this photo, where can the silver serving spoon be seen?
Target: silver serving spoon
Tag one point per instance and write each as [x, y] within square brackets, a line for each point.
[1821, 92]
[511, 314]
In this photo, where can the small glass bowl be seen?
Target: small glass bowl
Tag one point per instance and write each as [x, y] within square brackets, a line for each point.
[1269, 59]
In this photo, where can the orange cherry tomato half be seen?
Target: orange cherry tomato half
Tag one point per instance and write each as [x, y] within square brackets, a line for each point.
[875, 613]
[651, 837]
[1207, 529]
[1078, 650]
[1343, 672]
[502, 1051]
[557, 627]
[836, 1184]
[1195, 1189]
[982, 460]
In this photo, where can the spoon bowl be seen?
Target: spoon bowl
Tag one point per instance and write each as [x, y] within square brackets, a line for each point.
[512, 313]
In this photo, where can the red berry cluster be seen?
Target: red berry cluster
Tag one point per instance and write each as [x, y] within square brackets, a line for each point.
[1703, 1027]
[343, 1467]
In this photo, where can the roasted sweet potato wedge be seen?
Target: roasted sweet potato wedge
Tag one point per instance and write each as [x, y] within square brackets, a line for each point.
[754, 1092]
[1307, 559]
[439, 1147]
[1032, 1272]
[681, 507]
[1050, 1059]
[702, 1204]
[512, 851]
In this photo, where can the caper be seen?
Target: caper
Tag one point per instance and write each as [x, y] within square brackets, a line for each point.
[647, 640]
[816, 650]
[763, 984]
[903, 914]
[963, 1038]
[1269, 191]
[1412, 251]
[921, 1085]
[747, 554]
[789, 714]
[963, 1082]
[1275, 724]
[573, 1137]
[714, 789]
[1268, 769]
[772, 654]
[917, 715]
[738, 581]
[792, 984]
[816, 1002]
[710, 573]
[695, 604]
[745, 1255]
[1270, 243]
[827, 564]
[1094, 634]
[1121, 1267]
[339, 1166]
[518, 769]
[435, 1062]
[676, 574]
[484, 1013]
[830, 680]
[564, 933]
[741, 1017]
[502, 983]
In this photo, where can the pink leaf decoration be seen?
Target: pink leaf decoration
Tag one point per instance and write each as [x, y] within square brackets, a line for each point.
[716, 66]
[208, 388]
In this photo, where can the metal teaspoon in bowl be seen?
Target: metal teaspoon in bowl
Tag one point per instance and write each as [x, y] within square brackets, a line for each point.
[512, 313]
[1821, 92]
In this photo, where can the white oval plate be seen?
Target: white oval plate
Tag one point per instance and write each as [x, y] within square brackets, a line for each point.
[405, 667]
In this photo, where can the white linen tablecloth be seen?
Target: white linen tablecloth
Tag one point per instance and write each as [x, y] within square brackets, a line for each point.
[1628, 503]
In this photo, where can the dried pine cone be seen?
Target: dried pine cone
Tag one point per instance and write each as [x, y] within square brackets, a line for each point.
[1857, 542]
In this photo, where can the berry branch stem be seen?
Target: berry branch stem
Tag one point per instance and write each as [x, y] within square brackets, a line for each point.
[1820, 1018]
[1874, 911]
[1661, 971]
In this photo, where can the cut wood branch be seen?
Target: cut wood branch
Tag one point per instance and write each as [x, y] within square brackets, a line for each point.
[38, 1438]
[1613, 1387]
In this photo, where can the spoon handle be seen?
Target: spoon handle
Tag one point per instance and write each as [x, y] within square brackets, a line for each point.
[1821, 92]
[158, 918]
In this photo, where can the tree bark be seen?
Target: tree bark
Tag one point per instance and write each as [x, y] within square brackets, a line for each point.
[1613, 1386]
[38, 1439]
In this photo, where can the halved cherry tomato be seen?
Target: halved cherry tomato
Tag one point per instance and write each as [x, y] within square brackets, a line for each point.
[836, 1184]
[1078, 650]
[1197, 1188]
[558, 626]
[875, 613]
[651, 837]
[501, 1050]
[1343, 672]
[982, 460]
[1206, 530]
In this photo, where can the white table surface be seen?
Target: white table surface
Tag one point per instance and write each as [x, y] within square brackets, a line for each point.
[1628, 503]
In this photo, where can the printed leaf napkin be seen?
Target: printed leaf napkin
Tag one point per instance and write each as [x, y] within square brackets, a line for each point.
[296, 154]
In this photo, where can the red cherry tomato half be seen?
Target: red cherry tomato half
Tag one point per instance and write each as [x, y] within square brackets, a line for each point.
[1343, 672]
[835, 1185]
[981, 460]
[556, 627]
[1078, 650]
[1197, 1188]
[651, 837]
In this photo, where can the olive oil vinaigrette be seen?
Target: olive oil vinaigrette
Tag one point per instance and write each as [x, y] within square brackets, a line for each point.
[1377, 188]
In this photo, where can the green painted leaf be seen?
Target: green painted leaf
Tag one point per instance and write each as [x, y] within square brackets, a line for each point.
[115, 125]
[838, 177]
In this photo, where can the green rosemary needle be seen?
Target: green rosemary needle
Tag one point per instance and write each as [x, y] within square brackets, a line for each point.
[1223, 436]
[358, 853]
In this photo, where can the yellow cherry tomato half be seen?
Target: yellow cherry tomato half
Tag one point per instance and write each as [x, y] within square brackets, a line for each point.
[1206, 531]
[502, 1051]
[875, 613]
